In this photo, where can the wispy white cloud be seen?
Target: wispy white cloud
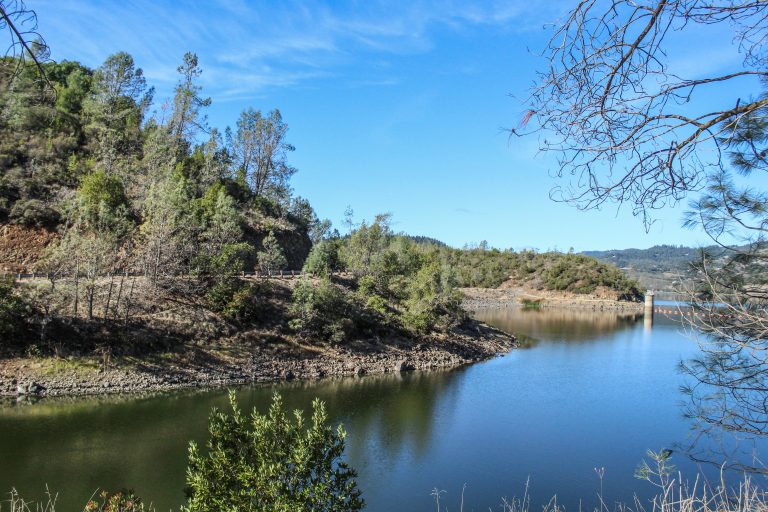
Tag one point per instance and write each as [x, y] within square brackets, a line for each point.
[252, 46]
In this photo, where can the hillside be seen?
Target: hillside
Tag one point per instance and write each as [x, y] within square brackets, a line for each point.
[656, 259]
[550, 271]
[660, 267]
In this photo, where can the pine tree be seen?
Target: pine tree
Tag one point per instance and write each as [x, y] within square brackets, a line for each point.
[731, 286]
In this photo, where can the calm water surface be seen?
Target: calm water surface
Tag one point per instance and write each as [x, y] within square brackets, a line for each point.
[588, 390]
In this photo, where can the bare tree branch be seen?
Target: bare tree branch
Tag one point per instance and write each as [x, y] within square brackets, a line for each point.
[24, 41]
[619, 120]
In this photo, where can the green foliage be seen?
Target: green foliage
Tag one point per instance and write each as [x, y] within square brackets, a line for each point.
[582, 274]
[365, 244]
[323, 258]
[271, 463]
[34, 213]
[247, 304]
[432, 303]
[12, 309]
[327, 312]
[187, 118]
[576, 273]
[99, 190]
[222, 271]
[271, 258]
[260, 152]
[378, 304]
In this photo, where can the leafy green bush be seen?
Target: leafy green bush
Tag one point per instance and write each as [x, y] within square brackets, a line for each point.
[378, 304]
[221, 274]
[100, 188]
[266, 206]
[247, 303]
[323, 258]
[432, 302]
[271, 463]
[324, 310]
[34, 213]
[272, 257]
[12, 308]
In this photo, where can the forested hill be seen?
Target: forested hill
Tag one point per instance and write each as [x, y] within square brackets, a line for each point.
[128, 190]
[656, 259]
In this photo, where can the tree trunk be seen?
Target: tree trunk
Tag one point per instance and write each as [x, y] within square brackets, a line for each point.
[128, 300]
[119, 294]
[77, 286]
[109, 295]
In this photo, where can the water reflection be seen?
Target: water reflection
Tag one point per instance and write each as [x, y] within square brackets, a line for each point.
[558, 325]
[79, 445]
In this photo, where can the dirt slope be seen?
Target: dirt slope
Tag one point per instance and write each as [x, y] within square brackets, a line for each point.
[21, 247]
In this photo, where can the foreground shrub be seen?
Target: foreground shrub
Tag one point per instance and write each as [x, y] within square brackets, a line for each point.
[271, 463]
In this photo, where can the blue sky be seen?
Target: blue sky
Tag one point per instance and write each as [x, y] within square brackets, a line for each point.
[399, 108]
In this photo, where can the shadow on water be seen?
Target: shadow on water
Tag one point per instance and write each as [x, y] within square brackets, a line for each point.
[78, 445]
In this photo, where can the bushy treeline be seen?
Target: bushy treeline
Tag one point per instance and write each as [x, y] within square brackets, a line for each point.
[656, 259]
[413, 283]
[575, 273]
[398, 281]
[161, 196]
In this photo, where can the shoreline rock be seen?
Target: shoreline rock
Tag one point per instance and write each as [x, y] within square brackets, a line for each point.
[485, 298]
[475, 343]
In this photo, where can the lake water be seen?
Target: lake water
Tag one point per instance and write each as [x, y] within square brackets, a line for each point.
[588, 390]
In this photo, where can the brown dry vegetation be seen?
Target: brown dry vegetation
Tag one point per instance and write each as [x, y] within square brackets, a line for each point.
[21, 247]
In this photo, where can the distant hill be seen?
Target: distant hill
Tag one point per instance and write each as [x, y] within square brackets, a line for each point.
[657, 267]
[659, 258]
[425, 240]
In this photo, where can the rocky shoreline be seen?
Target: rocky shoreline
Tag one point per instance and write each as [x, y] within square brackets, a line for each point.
[485, 298]
[476, 342]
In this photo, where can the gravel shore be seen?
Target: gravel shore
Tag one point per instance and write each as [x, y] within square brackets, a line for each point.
[493, 298]
[248, 362]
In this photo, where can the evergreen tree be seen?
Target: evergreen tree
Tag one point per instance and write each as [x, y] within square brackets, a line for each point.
[730, 291]
[271, 258]
[187, 118]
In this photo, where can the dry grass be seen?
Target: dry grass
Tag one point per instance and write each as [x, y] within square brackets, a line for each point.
[16, 503]
[675, 494]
